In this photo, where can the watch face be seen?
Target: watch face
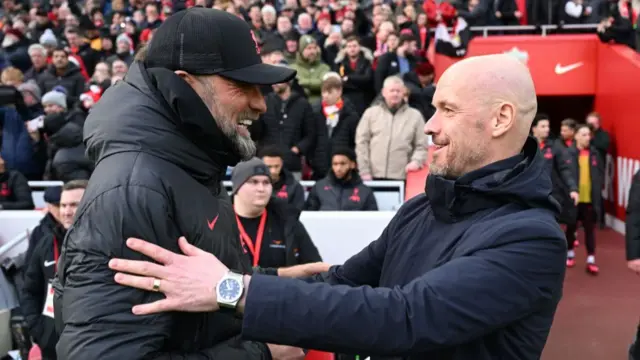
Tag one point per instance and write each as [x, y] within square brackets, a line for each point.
[229, 290]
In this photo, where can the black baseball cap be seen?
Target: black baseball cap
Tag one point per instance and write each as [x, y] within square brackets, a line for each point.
[204, 41]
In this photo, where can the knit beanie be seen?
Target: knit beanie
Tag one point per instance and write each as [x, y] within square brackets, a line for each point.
[246, 170]
[32, 88]
[48, 38]
[55, 98]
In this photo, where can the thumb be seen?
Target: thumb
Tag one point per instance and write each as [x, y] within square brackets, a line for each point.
[187, 248]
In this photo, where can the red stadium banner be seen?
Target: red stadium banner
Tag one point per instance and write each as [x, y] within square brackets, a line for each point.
[559, 64]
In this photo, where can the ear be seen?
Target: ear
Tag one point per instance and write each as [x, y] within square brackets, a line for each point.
[185, 76]
[504, 119]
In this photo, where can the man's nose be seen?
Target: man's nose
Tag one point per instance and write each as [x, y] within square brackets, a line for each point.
[433, 125]
[256, 100]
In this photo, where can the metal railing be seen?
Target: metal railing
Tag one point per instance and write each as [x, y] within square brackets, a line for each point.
[544, 29]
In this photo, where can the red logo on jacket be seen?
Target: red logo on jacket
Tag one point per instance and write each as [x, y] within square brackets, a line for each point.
[4, 190]
[354, 196]
[282, 193]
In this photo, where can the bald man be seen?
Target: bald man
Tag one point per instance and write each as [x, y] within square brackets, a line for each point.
[470, 270]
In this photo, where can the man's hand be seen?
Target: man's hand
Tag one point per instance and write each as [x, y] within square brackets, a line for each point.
[634, 265]
[412, 166]
[295, 150]
[366, 177]
[575, 197]
[188, 281]
[303, 270]
[283, 352]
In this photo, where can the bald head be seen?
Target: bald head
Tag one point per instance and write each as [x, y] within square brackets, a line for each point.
[493, 80]
[485, 106]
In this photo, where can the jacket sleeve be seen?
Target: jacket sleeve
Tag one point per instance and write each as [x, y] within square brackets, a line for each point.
[632, 232]
[33, 293]
[371, 203]
[363, 138]
[309, 132]
[297, 198]
[419, 154]
[313, 202]
[307, 251]
[380, 73]
[450, 305]
[96, 311]
[602, 141]
[562, 160]
[362, 81]
[22, 192]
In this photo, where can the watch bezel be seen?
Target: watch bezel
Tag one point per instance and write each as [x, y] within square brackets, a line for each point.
[232, 302]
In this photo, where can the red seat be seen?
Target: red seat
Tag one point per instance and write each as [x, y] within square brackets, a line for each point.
[319, 355]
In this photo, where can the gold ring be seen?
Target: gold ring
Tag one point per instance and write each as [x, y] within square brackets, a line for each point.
[156, 285]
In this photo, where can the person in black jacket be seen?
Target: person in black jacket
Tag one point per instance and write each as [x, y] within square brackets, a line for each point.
[285, 186]
[401, 61]
[557, 162]
[288, 123]
[336, 122]
[37, 293]
[62, 73]
[632, 234]
[66, 151]
[271, 235]
[162, 139]
[587, 169]
[15, 193]
[342, 189]
[354, 66]
[49, 221]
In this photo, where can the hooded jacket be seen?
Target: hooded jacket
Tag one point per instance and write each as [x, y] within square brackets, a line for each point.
[160, 159]
[471, 270]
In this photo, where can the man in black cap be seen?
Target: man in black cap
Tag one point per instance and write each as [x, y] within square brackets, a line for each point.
[162, 139]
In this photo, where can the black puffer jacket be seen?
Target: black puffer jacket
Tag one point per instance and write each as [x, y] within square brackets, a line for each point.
[66, 152]
[159, 162]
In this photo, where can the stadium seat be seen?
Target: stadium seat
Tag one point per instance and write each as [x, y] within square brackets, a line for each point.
[319, 355]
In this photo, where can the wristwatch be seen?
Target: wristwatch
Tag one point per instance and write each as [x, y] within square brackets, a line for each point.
[229, 290]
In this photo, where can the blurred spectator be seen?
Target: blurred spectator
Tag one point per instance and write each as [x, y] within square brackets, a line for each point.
[618, 25]
[15, 193]
[12, 77]
[390, 138]
[124, 50]
[18, 151]
[421, 89]
[62, 73]
[576, 12]
[342, 189]
[32, 97]
[285, 186]
[66, 151]
[504, 13]
[49, 221]
[38, 56]
[567, 132]
[16, 46]
[310, 67]
[337, 121]
[401, 61]
[273, 236]
[353, 63]
[288, 123]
